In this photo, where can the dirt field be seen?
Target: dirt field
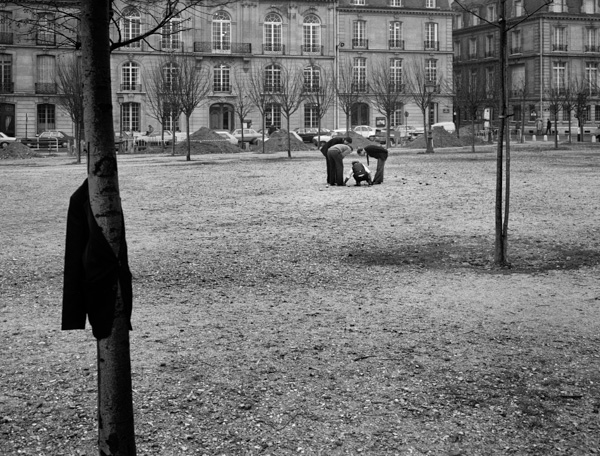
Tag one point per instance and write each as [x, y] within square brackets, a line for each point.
[276, 316]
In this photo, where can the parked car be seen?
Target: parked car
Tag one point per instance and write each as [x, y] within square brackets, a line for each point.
[250, 135]
[157, 138]
[307, 134]
[365, 131]
[332, 134]
[381, 136]
[407, 132]
[5, 140]
[48, 139]
[227, 136]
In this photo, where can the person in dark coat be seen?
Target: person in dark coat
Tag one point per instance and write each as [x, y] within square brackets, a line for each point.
[548, 127]
[336, 155]
[330, 165]
[360, 173]
[380, 154]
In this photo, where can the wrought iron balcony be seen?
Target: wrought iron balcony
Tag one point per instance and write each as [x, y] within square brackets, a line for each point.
[45, 39]
[559, 47]
[360, 43]
[311, 88]
[209, 47]
[273, 48]
[431, 45]
[130, 87]
[490, 53]
[590, 48]
[396, 44]
[170, 45]
[46, 88]
[311, 49]
[6, 38]
[516, 50]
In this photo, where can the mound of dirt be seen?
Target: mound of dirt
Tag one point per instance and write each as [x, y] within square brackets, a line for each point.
[206, 141]
[17, 150]
[442, 138]
[278, 141]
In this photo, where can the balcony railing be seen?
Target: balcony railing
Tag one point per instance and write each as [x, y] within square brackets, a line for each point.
[590, 48]
[360, 87]
[311, 49]
[516, 50]
[226, 88]
[490, 53]
[6, 38]
[46, 88]
[397, 88]
[360, 43]
[273, 49]
[45, 39]
[472, 55]
[396, 44]
[431, 45]
[171, 45]
[7, 87]
[130, 87]
[208, 47]
[559, 47]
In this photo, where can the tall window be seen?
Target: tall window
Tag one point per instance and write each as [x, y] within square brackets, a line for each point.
[591, 77]
[46, 117]
[397, 117]
[357, 2]
[171, 34]
[396, 41]
[590, 40]
[473, 48]
[46, 74]
[431, 70]
[170, 73]
[312, 79]
[130, 113]
[131, 26]
[273, 78]
[517, 8]
[475, 16]
[559, 71]
[6, 84]
[491, 13]
[457, 50]
[311, 34]
[588, 7]
[490, 82]
[221, 78]
[396, 75]
[221, 32]
[6, 35]
[559, 39]
[490, 45]
[130, 76]
[273, 114]
[430, 3]
[46, 33]
[272, 33]
[311, 116]
[515, 39]
[359, 74]
[431, 36]
[359, 34]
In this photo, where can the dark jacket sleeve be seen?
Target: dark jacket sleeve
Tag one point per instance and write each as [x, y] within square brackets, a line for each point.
[92, 271]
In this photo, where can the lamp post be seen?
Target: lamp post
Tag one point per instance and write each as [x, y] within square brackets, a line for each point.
[406, 125]
[120, 101]
[430, 88]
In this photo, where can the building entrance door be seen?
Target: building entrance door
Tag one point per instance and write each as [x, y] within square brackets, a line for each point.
[360, 114]
[7, 119]
[221, 117]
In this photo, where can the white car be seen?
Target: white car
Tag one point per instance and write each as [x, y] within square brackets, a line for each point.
[227, 136]
[5, 140]
[324, 138]
[448, 126]
[250, 135]
[365, 131]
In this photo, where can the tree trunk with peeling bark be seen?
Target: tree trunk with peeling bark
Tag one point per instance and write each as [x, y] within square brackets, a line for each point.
[115, 408]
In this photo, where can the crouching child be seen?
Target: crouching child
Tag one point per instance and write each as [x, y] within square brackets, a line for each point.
[360, 173]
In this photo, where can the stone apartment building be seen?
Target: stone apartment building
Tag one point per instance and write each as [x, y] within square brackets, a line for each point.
[549, 46]
[232, 40]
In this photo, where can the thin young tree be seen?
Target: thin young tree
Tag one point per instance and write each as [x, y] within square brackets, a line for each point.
[242, 100]
[349, 89]
[70, 87]
[418, 78]
[288, 93]
[157, 86]
[520, 91]
[191, 85]
[319, 92]
[471, 96]
[387, 90]
[555, 97]
[582, 89]
[259, 93]
[86, 25]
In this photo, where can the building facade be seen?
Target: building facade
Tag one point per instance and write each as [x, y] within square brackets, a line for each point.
[551, 48]
[232, 41]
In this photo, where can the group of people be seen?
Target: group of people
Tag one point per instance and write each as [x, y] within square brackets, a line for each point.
[336, 149]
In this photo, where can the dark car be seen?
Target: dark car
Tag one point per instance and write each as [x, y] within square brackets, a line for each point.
[308, 134]
[49, 139]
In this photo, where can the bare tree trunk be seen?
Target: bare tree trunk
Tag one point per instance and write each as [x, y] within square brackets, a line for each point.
[115, 409]
[473, 134]
[289, 151]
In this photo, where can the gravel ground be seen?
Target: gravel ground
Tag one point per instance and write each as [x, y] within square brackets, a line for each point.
[275, 316]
